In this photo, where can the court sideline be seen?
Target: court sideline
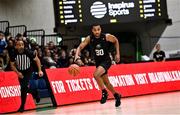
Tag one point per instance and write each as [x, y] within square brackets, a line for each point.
[155, 104]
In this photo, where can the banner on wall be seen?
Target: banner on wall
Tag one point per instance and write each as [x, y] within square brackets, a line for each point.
[10, 93]
[128, 79]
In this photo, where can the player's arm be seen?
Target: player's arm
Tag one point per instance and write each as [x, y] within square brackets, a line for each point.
[81, 46]
[38, 63]
[13, 67]
[113, 39]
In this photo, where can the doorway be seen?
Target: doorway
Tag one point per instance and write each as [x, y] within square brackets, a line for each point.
[130, 47]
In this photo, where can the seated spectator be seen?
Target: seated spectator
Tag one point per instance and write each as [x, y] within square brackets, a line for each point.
[56, 50]
[12, 39]
[34, 46]
[71, 60]
[3, 43]
[45, 49]
[48, 61]
[57, 60]
[10, 49]
[51, 46]
[159, 55]
[1, 64]
[10, 46]
[19, 37]
[72, 55]
[63, 59]
[9, 36]
[79, 62]
[4, 60]
[40, 54]
[3, 53]
[72, 52]
[87, 59]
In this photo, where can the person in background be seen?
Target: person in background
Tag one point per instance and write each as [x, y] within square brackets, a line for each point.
[51, 47]
[48, 60]
[159, 55]
[56, 59]
[63, 59]
[4, 60]
[3, 45]
[40, 54]
[72, 57]
[72, 52]
[71, 61]
[21, 63]
[88, 61]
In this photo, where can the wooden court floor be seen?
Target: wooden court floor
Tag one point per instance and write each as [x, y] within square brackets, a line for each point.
[155, 104]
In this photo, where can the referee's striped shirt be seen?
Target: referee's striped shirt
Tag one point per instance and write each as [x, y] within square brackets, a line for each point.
[23, 61]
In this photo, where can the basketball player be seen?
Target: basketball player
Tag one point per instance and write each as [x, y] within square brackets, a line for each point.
[99, 43]
[21, 62]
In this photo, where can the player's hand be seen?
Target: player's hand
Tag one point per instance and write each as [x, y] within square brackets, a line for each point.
[117, 58]
[20, 75]
[76, 58]
[40, 73]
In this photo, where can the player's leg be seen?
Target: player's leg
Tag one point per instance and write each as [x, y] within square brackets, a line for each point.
[35, 94]
[24, 89]
[24, 82]
[111, 88]
[107, 83]
[97, 75]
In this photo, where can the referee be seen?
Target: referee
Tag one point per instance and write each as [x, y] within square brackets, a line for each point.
[21, 61]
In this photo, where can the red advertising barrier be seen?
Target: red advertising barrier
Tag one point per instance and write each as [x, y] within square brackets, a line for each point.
[128, 79]
[10, 93]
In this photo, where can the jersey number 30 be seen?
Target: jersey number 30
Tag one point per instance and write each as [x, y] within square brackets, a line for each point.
[99, 52]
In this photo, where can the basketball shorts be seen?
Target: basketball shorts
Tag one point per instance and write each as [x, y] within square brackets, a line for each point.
[105, 64]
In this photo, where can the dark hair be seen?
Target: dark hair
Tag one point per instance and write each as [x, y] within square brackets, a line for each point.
[18, 41]
[19, 35]
[1, 32]
[95, 24]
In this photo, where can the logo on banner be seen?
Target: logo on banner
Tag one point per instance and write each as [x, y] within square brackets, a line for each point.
[98, 9]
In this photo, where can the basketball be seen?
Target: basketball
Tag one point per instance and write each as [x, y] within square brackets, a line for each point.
[74, 70]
